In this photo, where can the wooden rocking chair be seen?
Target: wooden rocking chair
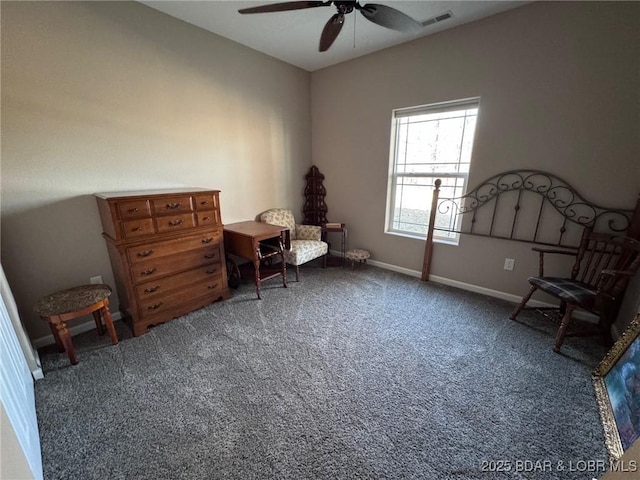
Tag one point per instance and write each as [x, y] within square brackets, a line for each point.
[603, 267]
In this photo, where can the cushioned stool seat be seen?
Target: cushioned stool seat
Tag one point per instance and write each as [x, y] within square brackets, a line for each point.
[59, 307]
[357, 254]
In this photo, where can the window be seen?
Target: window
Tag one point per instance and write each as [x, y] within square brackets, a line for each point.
[427, 143]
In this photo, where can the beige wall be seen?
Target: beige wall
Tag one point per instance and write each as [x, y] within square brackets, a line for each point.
[559, 87]
[104, 96]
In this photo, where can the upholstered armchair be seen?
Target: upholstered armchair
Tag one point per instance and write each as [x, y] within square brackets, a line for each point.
[306, 243]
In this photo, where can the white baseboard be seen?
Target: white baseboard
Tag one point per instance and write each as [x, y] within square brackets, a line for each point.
[488, 291]
[457, 284]
[395, 268]
[76, 329]
[37, 372]
[478, 289]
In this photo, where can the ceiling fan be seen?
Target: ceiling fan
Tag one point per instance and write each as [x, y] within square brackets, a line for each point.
[379, 14]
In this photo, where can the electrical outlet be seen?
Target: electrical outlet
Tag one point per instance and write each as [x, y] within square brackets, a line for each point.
[96, 280]
[509, 263]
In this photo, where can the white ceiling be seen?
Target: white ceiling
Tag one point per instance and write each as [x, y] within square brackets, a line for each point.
[293, 36]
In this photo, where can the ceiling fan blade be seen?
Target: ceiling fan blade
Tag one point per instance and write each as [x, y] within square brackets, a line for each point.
[330, 31]
[283, 7]
[389, 17]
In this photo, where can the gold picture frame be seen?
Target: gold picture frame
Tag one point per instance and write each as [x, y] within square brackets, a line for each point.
[617, 387]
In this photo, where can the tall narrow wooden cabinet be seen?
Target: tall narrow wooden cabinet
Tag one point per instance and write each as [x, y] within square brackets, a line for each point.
[167, 252]
[315, 210]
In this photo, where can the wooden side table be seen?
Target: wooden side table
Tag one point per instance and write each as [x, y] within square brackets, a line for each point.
[257, 241]
[342, 230]
[60, 307]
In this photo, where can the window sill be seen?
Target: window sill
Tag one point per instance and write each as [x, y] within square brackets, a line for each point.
[445, 241]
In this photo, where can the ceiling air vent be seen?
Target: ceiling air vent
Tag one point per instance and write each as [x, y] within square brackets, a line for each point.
[437, 18]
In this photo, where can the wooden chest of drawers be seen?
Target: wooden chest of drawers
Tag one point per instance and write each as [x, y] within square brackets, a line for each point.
[167, 252]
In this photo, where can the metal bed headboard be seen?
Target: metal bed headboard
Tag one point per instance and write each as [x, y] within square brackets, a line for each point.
[522, 205]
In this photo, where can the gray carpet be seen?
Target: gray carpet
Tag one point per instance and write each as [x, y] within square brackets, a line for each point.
[347, 374]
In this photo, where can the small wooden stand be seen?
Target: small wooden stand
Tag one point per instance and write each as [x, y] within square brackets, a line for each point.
[333, 260]
[60, 307]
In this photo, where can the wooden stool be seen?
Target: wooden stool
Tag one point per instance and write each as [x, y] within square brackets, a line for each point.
[60, 307]
[357, 254]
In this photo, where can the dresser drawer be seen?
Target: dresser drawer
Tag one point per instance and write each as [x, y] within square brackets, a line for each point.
[152, 307]
[137, 228]
[150, 251]
[134, 209]
[174, 223]
[209, 218]
[163, 285]
[144, 271]
[170, 205]
[205, 202]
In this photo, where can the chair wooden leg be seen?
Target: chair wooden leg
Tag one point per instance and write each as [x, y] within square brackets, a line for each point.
[563, 307]
[65, 338]
[525, 299]
[284, 273]
[297, 273]
[98, 320]
[108, 321]
[564, 324]
[56, 337]
[608, 313]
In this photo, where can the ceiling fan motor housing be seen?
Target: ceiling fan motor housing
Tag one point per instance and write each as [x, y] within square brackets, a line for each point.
[346, 7]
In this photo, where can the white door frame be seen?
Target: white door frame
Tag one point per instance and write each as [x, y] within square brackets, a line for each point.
[17, 395]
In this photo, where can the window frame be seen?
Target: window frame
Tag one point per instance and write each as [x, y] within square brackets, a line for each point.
[394, 175]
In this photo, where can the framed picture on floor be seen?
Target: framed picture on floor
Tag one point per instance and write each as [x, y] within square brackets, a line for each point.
[617, 386]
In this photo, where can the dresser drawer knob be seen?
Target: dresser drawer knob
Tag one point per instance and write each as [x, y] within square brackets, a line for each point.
[211, 287]
[172, 206]
[207, 218]
[146, 253]
[173, 223]
[207, 240]
[148, 271]
[151, 289]
[209, 255]
[212, 271]
[155, 306]
[133, 210]
[204, 202]
[137, 229]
